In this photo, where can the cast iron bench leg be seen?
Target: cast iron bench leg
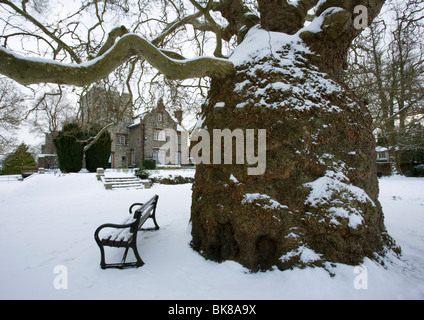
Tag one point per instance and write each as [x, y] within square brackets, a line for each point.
[137, 256]
[102, 257]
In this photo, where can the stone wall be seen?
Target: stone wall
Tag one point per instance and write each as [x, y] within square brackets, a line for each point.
[101, 107]
[158, 119]
[120, 146]
[48, 161]
[136, 142]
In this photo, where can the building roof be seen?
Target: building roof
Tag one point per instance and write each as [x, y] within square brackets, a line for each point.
[160, 105]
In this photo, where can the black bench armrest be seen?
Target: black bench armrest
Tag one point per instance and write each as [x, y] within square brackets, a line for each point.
[133, 205]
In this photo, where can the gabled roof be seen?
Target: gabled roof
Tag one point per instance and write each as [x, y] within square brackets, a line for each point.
[160, 105]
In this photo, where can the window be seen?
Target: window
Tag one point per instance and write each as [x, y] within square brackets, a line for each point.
[159, 135]
[112, 160]
[159, 156]
[160, 116]
[382, 156]
[120, 140]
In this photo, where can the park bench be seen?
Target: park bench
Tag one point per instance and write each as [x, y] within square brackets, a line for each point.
[27, 171]
[125, 235]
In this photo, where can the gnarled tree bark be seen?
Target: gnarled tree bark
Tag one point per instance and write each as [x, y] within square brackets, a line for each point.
[317, 201]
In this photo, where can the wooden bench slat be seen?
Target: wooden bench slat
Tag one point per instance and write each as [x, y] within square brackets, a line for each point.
[114, 233]
[145, 216]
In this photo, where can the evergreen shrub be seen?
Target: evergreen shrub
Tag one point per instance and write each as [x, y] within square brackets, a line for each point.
[69, 149]
[97, 156]
[149, 164]
[19, 158]
[417, 171]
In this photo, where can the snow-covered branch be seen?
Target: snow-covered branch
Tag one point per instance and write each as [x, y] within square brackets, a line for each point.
[35, 70]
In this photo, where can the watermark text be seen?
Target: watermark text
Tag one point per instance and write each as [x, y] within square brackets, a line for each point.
[250, 148]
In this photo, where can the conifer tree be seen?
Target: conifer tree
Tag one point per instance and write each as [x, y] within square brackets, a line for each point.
[17, 159]
[97, 156]
[69, 148]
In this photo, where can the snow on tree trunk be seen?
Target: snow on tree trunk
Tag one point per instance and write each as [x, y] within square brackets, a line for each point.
[317, 200]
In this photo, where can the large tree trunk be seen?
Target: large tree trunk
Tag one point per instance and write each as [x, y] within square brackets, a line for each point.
[318, 198]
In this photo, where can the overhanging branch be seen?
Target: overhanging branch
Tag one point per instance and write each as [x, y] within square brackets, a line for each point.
[33, 71]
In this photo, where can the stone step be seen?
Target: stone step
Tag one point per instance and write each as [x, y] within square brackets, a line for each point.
[111, 183]
[122, 181]
[128, 186]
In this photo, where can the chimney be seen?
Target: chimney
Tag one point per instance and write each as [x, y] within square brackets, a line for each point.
[161, 105]
[179, 115]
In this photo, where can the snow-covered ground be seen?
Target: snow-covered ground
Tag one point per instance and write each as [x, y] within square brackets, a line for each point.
[46, 243]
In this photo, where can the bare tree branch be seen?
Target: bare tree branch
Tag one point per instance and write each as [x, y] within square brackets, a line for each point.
[44, 29]
[32, 71]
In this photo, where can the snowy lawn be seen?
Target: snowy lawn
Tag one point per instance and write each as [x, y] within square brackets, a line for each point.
[49, 221]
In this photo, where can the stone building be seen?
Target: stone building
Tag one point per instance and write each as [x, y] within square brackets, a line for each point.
[147, 135]
[47, 159]
[100, 107]
[133, 138]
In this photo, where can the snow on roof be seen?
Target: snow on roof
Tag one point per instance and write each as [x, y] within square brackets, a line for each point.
[137, 120]
[381, 149]
[135, 123]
